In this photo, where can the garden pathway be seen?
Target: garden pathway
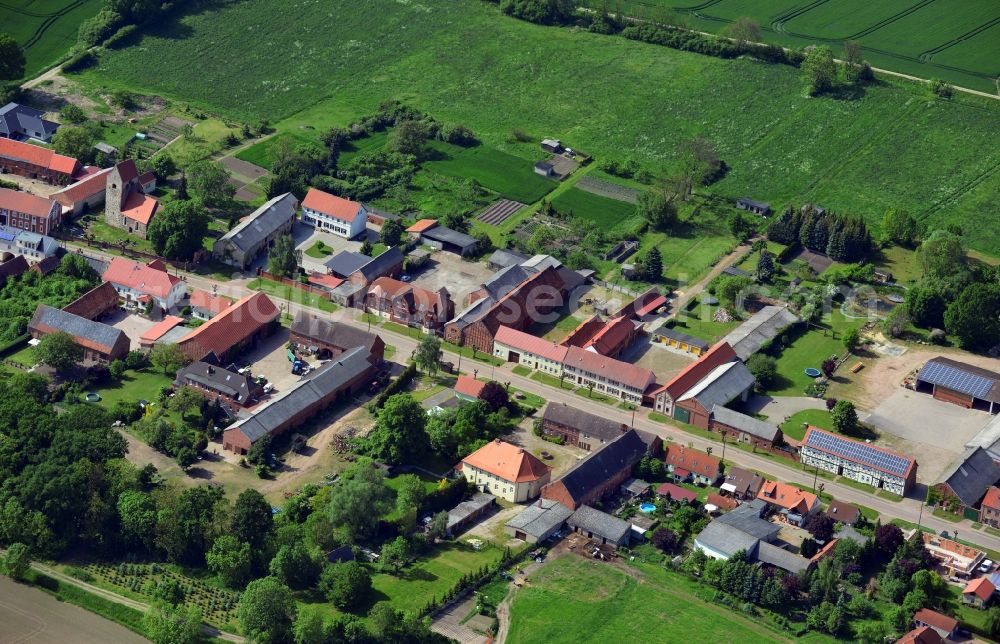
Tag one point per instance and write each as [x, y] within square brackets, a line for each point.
[449, 622]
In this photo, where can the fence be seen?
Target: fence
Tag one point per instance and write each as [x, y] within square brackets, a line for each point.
[618, 289]
[315, 290]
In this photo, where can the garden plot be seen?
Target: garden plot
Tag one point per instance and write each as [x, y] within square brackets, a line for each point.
[499, 212]
[607, 189]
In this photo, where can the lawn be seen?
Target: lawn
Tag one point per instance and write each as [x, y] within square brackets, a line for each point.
[793, 427]
[319, 250]
[263, 153]
[291, 294]
[26, 357]
[902, 263]
[894, 146]
[607, 213]
[809, 350]
[45, 29]
[700, 322]
[135, 385]
[577, 599]
[432, 576]
[510, 176]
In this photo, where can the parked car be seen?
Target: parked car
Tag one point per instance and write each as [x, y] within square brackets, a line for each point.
[986, 566]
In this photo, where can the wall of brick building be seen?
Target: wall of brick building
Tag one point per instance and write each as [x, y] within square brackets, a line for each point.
[947, 395]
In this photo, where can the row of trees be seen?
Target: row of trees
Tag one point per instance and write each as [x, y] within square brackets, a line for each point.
[845, 239]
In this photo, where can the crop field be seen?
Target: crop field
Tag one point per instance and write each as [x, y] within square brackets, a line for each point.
[509, 176]
[46, 29]
[949, 40]
[892, 146]
[605, 212]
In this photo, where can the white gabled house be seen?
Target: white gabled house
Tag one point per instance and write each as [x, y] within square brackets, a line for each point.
[334, 214]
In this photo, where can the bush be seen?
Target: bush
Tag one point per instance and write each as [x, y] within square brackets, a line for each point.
[395, 386]
[79, 62]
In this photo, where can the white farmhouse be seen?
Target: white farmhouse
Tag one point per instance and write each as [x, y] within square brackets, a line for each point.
[334, 214]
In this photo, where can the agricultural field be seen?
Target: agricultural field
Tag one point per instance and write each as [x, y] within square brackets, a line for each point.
[263, 154]
[892, 146]
[955, 41]
[572, 598]
[45, 29]
[607, 213]
[509, 176]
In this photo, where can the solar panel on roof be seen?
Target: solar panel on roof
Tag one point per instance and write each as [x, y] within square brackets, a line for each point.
[859, 452]
[7, 236]
[958, 380]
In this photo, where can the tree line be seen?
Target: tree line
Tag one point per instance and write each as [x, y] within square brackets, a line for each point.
[845, 239]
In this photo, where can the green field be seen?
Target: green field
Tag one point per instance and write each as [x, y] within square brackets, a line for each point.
[464, 63]
[45, 29]
[264, 152]
[510, 176]
[292, 294]
[956, 41]
[576, 599]
[606, 213]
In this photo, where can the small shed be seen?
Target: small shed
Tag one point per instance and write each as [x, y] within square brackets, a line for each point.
[635, 488]
[554, 146]
[545, 169]
[468, 512]
[757, 207]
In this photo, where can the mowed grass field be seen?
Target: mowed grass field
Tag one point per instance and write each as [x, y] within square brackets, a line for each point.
[46, 29]
[576, 599]
[510, 176]
[956, 41]
[603, 211]
[463, 62]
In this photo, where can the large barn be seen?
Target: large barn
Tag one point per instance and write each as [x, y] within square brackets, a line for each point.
[961, 384]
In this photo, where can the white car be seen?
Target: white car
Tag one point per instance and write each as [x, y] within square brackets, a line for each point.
[986, 566]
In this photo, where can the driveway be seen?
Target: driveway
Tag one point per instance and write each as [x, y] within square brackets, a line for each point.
[460, 277]
[133, 326]
[778, 408]
[306, 236]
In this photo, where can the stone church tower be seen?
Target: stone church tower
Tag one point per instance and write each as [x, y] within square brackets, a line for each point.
[122, 181]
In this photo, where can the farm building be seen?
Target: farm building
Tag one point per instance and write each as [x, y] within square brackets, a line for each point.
[688, 464]
[545, 169]
[525, 349]
[333, 214]
[680, 341]
[744, 429]
[762, 327]
[409, 305]
[205, 305]
[162, 332]
[95, 303]
[757, 207]
[100, 342]
[945, 627]
[12, 267]
[256, 232]
[599, 526]
[333, 382]
[326, 338]
[506, 471]
[538, 521]
[724, 384]
[745, 529]
[126, 204]
[235, 330]
[503, 258]
[644, 305]
[468, 512]
[608, 338]
[621, 380]
[588, 431]
[20, 122]
[377, 217]
[742, 484]
[859, 461]
[666, 396]
[961, 384]
[599, 474]
[28, 212]
[216, 383]
[444, 238]
[85, 195]
[964, 485]
[921, 635]
[362, 270]
[35, 162]
[552, 145]
[796, 505]
[34, 248]
[139, 284]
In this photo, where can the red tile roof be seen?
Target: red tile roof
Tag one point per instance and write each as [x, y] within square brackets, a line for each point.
[158, 330]
[787, 496]
[331, 205]
[584, 332]
[95, 302]
[24, 202]
[651, 305]
[89, 186]
[718, 355]
[982, 588]
[508, 462]
[935, 619]
[214, 304]
[691, 459]
[722, 502]
[921, 635]
[992, 498]
[825, 551]
[614, 370]
[528, 343]
[611, 337]
[148, 278]
[139, 207]
[232, 326]
[147, 177]
[422, 226]
[38, 156]
[469, 386]
[127, 170]
[676, 492]
[325, 280]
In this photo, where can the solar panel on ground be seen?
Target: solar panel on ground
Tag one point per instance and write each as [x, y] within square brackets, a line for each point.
[949, 377]
[859, 452]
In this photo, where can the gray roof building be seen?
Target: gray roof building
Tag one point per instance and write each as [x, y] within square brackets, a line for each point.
[779, 557]
[229, 383]
[311, 326]
[22, 122]
[605, 464]
[745, 424]
[724, 540]
[346, 262]
[383, 264]
[743, 529]
[452, 240]
[971, 476]
[590, 425]
[468, 511]
[89, 334]
[747, 518]
[599, 525]
[762, 327]
[674, 334]
[504, 281]
[505, 258]
[539, 521]
[256, 227]
[725, 383]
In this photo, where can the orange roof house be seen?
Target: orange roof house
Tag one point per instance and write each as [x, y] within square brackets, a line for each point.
[25, 159]
[980, 589]
[944, 625]
[506, 470]
[921, 635]
[790, 499]
[704, 467]
[133, 280]
[329, 204]
[469, 387]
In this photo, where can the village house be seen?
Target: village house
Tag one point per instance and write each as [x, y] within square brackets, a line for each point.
[361, 270]
[599, 474]
[28, 212]
[686, 464]
[330, 384]
[742, 484]
[744, 529]
[232, 389]
[978, 592]
[794, 504]
[140, 285]
[126, 205]
[506, 471]
[34, 248]
[333, 214]
[621, 380]
[409, 305]
[676, 493]
[326, 338]
[237, 329]
[582, 429]
[523, 348]
[666, 396]
[745, 429]
[921, 635]
[100, 342]
[989, 508]
[468, 389]
[20, 122]
[96, 303]
[958, 559]
[35, 162]
[859, 461]
[843, 512]
[946, 627]
[961, 384]
[256, 232]
[205, 305]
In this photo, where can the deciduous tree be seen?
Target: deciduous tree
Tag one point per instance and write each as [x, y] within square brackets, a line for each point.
[428, 354]
[974, 316]
[819, 70]
[12, 59]
[230, 559]
[656, 208]
[178, 229]
[167, 624]
[282, 258]
[59, 350]
[743, 30]
[392, 233]
[845, 417]
[347, 585]
[168, 357]
[73, 141]
[359, 500]
[17, 561]
[266, 611]
[208, 183]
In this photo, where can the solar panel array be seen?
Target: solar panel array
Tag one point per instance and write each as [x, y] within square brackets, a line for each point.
[859, 452]
[6, 236]
[948, 376]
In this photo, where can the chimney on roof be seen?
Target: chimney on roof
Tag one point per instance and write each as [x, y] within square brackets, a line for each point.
[211, 369]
